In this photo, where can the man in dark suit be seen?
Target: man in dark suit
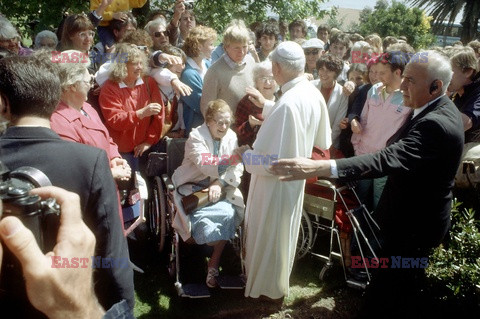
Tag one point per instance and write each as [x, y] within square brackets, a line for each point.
[420, 161]
[30, 91]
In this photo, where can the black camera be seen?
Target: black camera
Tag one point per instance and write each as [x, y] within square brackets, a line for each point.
[40, 216]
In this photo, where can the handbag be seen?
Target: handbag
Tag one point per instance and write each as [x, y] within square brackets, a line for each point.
[196, 200]
[171, 115]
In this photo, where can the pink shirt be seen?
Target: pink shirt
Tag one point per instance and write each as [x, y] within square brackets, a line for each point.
[380, 119]
[74, 126]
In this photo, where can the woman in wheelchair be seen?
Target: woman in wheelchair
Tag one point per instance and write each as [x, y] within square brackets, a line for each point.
[210, 164]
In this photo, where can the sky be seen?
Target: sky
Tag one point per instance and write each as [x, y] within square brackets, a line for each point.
[360, 4]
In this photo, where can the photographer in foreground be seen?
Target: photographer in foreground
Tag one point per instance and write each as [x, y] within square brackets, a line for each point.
[58, 292]
[29, 93]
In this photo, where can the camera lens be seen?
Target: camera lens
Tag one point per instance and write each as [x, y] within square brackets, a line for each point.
[17, 192]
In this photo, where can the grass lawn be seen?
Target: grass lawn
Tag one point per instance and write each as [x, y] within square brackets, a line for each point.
[309, 297]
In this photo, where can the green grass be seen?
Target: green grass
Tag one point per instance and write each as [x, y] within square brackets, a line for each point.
[309, 297]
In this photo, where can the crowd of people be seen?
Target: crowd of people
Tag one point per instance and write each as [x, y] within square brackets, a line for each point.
[390, 116]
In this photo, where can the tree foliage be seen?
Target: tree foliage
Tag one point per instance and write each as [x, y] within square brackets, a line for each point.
[218, 13]
[398, 20]
[456, 263]
[32, 16]
[448, 10]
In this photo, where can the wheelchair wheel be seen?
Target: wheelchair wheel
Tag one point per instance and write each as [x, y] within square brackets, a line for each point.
[305, 236]
[158, 213]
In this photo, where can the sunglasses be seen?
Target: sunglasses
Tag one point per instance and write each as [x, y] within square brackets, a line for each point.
[161, 34]
[314, 52]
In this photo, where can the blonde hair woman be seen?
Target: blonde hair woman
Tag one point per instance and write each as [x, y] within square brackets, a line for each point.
[131, 104]
[231, 74]
[198, 47]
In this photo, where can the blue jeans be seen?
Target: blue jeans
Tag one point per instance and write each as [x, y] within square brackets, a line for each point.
[370, 190]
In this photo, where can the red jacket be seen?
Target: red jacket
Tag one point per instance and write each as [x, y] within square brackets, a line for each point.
[119, 106]
[71, 125]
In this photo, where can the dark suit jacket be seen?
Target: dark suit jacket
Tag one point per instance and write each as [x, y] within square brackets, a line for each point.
[421, 161]
[84, 170]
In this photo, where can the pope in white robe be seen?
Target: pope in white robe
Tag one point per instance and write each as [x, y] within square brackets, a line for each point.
[298, 121]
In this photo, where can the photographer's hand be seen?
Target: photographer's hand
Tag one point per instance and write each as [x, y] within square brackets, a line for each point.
[57, 292]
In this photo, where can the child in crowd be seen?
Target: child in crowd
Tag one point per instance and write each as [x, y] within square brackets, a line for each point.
[358, 74]
[340, 44]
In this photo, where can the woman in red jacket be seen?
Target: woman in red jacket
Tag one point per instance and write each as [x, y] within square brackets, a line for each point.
[131, 104]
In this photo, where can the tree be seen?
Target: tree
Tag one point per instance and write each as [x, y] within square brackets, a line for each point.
[32, 16]
[381, 5]
[365, 14]
[334, 21]
[448, 10]
[218, 13]
[397, 20]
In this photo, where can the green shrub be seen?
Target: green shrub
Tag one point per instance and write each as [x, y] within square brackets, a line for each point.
[456, 263]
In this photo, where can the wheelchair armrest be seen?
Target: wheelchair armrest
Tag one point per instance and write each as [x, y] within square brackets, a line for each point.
[325, 183]
[168, 183]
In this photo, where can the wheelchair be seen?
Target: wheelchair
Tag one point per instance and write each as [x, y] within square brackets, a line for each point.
[160, 216]
[335, 211]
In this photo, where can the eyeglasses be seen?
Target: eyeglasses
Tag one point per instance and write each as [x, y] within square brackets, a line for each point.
[86, 34]
[314, 52]
[142, 47]
[159, 34]
[266, 79]
[223, 122]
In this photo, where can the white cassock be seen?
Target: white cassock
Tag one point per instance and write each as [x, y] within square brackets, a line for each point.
[297, 122]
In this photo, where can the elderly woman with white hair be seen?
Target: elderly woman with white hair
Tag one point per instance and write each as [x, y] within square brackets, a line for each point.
[46, 40]
[76, 120]
[10, 39]
[248, 116]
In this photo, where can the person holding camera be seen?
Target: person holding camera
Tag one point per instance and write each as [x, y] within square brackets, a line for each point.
[58, 292]
[30, 92]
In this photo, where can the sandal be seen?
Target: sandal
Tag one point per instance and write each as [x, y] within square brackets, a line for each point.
[211, 281]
